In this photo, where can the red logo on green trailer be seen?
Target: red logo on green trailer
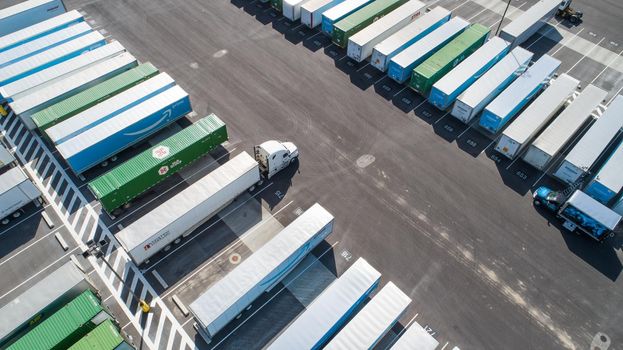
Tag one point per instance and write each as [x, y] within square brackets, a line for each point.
[163, 170]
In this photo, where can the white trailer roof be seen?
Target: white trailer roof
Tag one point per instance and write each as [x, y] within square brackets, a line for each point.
[539, 111]
[21, 7]
[113, 125]
[471, 65]
[314, 5]
[610, 173]
[416, 337]
[344, 8]
[591, 207]
[11, 178]
[411, 30]
[227, 293]
[103, 110]
[40, 44]
[50, 55]
[74, 81]
[569, 121]
[431, 41]
[491, 80]
[373, 321]
[174, 208]
[41, 79]
[39, 29]
[530, 16]
[596, 139]
[386, 22]
[327, 309]
[5, 156]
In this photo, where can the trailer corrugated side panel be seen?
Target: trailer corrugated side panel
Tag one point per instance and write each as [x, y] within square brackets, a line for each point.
[55, 55]
[608, 181]
[266, 267]
[127, 181]
[311, 11]
[64, 327]
[536, 115]
[109, 108]
[101, 142]
[361, 44]
[484, 90]
[16, 191]
[51, 75]
[27, 13]
[328, 312]
[371, 324]
[594, 142]
[450, 86]
[189, 208]
[415, 337]
[441, 62]
[361, 18]
[556, 135]
[411, 33]
[6, 158]
[529, 22]
[338, 12]
[88, 98]
[401, 65]
[106, 336]
[40, 29]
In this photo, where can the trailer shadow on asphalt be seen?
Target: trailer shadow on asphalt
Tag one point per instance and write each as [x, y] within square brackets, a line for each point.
[281, 183]
[517, 175]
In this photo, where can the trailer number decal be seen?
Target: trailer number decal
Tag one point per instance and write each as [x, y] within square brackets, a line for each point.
[160, 152]
[163, 170]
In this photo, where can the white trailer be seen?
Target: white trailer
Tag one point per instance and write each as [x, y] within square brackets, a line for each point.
[292, 9]
[51, 75]
[529, 22]
[40, 29]
[592, 145]
[312, 10]
[6, 157]
[556, 135]
[450, 86]
[371, 324]
[617, 207]
[519, 134]
[469, 104]
[30, 104]
[41, 300]
[187, 210]
[361, 44]
[415, 337]
[259, 273]
[608, 181]
[336, 13]
[109, 108]
[405, 37]
[328, 312]
[27, 13]
[16, 191]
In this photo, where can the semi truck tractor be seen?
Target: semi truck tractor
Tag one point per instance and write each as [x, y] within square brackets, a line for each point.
[274, 156]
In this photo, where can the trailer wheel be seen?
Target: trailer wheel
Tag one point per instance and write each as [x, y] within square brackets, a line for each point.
[167, 248]
[5, 221]
[177, 241]
[17, 214]
[104, 164]
[537, 203]
[114, 158]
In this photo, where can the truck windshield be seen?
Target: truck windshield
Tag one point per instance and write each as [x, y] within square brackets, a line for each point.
[584, 222]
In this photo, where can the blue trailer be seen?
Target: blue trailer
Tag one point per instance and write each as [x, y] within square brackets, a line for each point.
[96, 145]
[40, 29]
[28, 13]
[401, 65]
[518, 94]
[608, 181]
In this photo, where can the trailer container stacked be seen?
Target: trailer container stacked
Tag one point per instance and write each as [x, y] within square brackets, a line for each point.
[128, 180]
[560, 131]
[329, 311]
[529, 22]
[16, 191]
[415, 337]
[335, 14]
[260, 272]
[608, 181]
[592, 145]
[40, 29]
[311, 11]
[440, 63]
[519, 133]
[27, 13]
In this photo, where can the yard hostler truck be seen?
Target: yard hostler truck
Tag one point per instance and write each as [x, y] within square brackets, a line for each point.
[580, 211]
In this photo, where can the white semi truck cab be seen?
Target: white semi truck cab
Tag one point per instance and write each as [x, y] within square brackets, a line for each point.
[274, 156]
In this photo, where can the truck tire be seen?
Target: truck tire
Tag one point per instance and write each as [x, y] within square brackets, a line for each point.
[5, 221]
[537, 203]
[177, 240]
[167, 248]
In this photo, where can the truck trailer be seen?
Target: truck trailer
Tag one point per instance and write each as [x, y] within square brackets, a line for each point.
[6, 158]
[520, 132]
[407, 36]
[371, 324]
[27, 13]
[415, 337]
[106, 336]
[292, 9]
[401, 65]
[504, 107]
[260, 272]
[441, 62]
[336, 13]
[608, 181]
[130, 179]
[187, 210]
[361, 44]
[40, 29]
[16, 191]
[88, 98]
[330, 310]
[592, 145]
[311, 11]
[445, 91]
[529, 22]
[560, 131]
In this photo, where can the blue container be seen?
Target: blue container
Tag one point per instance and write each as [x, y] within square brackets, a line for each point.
[28, 13]
[608, 181]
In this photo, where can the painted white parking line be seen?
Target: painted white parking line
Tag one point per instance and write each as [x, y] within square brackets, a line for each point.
[459, 6]
[443, 116]
[31, 244]
[171, 338]
[160, 328]
[128, 300]
[510, 14]
[545, 33]
[606, 67]
[586, 54]
[567, 41]
[404, 329]
[615, 95]
[477, 14]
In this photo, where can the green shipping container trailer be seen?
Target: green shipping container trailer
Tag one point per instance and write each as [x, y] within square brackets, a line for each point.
[66, 326]
[106, 336]
[277, 5]
[361, 18]
[127, 181]
[439, 64]
[88, 98]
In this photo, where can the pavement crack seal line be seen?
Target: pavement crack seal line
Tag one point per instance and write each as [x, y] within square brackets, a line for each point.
[101, 271]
